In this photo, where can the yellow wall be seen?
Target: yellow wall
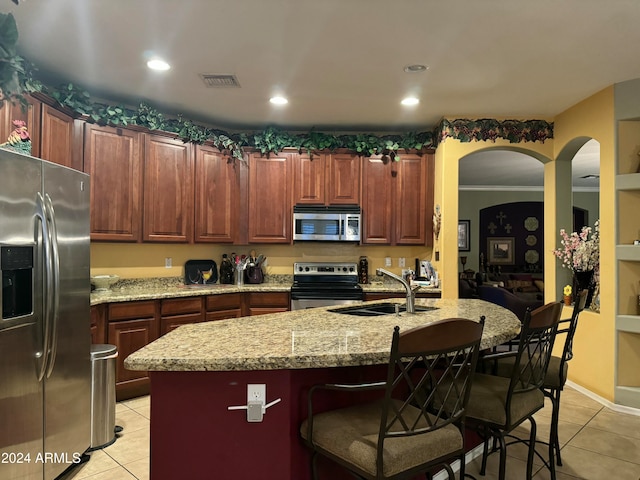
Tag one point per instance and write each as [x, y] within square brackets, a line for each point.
[448, 157]
[148, 260]
[593, 363]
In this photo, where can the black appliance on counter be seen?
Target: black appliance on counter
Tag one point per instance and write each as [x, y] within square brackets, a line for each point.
[324, 284]
[200, 272]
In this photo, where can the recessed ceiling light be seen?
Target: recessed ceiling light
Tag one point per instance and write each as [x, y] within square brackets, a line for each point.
[158, 64]
[410, 101]
[278, 100]
[415, 68]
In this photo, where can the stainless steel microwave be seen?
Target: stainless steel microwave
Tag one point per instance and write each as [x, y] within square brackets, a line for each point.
[334, 223]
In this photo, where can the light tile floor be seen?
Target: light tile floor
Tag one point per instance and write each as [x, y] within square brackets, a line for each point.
[597, 444]
[128, 457]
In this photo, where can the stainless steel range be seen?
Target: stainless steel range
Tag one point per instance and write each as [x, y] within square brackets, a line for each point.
[324, 284]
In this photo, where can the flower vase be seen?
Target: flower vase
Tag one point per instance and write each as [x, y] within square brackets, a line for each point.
[567, 299]
[584, 279]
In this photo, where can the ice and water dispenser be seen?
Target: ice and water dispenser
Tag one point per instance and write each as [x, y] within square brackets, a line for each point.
[16, 263]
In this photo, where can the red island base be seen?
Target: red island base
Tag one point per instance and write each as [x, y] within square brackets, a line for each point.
[195, 436]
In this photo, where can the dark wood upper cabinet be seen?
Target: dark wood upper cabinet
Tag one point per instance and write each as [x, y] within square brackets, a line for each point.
[397, 198]
[270, 197]
[376, 201]
[60, 141]
[216, 196]
[31, 116]
[410, 213]
[344, 179]
[326, 179]
[309, 178]
[113, 158]
[168, 190]
[155, 188]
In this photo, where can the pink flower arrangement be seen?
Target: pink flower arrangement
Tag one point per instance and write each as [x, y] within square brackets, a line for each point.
[580, 252]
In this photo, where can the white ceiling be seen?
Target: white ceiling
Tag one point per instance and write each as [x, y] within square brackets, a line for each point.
[340, 62]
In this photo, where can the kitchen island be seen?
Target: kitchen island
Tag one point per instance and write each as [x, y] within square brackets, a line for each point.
[197, 371]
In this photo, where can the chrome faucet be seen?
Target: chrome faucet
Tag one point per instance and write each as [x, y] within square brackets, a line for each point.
[411, 292]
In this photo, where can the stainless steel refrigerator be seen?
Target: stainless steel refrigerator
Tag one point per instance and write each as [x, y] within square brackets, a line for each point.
[45, 366]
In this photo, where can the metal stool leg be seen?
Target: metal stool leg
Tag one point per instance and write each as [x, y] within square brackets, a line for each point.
[554, 425]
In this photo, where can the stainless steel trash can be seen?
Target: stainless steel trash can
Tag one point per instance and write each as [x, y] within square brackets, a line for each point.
[103, 395]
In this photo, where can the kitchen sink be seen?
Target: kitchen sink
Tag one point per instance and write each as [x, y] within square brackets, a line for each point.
[377, 309]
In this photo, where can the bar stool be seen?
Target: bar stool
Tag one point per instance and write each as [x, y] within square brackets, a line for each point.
[557, 372]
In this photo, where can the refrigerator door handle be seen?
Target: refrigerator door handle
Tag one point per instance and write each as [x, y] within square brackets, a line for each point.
[55, 275]
[47, 283]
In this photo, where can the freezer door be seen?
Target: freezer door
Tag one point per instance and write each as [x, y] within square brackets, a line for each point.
[68, 379]
[21, 399]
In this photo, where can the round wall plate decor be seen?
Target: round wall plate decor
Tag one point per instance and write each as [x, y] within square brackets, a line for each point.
[531, 224]
[531, 256]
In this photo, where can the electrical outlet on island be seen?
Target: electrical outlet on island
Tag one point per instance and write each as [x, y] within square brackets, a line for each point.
[257, 392]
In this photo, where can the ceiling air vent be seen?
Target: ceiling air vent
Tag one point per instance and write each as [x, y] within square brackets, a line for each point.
[220, 81]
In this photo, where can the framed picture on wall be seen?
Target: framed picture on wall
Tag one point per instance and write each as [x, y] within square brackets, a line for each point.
[500, 250]
[463, 235]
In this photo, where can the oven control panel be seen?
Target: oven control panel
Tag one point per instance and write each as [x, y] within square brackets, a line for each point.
[326, 268]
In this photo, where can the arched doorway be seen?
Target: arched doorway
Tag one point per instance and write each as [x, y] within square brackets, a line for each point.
[503, 175]
[495, 176]
[578, 167]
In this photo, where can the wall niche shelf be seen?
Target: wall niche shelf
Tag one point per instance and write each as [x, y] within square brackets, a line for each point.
[627, 339]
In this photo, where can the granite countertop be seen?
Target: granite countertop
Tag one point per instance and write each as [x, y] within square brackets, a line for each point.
[128, 290]
[313, 338]
[152, 292]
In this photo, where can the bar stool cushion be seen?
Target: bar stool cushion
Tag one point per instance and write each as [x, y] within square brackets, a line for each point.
[352, 434]
[489, 396]
[504, 367]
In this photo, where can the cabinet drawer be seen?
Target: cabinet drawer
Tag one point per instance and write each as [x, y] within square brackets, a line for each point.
[223, 314]
[176, 306]
[170, 323]
[227, 301]
[272, 299]
[132, 310]
[253, 311]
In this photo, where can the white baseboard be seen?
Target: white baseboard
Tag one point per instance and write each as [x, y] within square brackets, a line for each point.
[603, 401]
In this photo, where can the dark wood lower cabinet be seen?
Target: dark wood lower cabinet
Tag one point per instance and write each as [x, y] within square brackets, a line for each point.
[220, 307]
[170, 323]
[132, 325]
[261, 303]
[98, 324]
[179, 311]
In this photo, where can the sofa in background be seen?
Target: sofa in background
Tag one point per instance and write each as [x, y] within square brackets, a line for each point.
[523, 285]
[503, 297]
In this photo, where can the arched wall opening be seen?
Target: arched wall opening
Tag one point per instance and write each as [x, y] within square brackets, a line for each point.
[581, 155]
[447, 192]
